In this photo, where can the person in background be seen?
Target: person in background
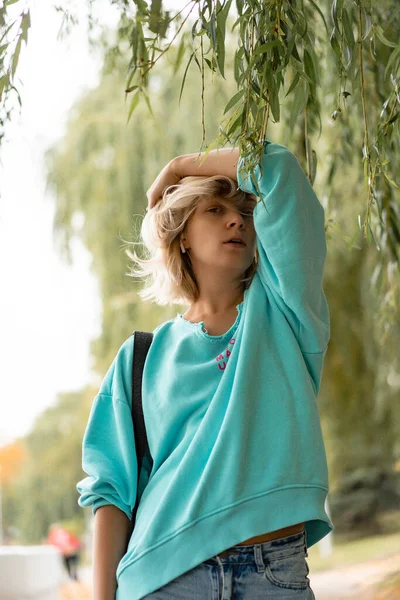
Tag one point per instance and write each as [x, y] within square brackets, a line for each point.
[69, 545]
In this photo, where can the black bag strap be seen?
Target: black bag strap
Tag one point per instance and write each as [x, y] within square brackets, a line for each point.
[142, 342]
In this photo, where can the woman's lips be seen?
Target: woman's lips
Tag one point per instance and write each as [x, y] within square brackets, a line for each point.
[235, 245]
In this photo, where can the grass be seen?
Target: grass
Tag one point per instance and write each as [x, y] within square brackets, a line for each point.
[346, 553]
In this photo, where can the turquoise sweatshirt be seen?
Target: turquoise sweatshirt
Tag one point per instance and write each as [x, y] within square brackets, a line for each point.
[232, 420]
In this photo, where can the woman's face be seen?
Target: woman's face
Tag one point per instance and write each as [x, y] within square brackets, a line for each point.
[215, 222]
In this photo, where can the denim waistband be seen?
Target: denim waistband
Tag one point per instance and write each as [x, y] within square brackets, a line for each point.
[250, 552]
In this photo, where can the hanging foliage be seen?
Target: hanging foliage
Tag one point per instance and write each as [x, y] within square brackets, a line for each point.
[283, 50]
[14, 25]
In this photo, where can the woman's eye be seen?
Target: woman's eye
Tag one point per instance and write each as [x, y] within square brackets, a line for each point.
[219, 208]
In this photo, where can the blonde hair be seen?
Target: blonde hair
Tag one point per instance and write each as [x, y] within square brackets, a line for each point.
[168, 273]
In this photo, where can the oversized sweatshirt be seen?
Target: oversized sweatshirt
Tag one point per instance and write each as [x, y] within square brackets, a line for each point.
[232, 420]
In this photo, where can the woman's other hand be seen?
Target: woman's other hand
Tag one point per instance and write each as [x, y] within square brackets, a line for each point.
[168, 176]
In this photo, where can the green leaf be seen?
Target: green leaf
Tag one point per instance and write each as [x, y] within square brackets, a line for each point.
[226, 8]
[373, 237]
[336, 9]
[134, 103]
[392, 58]
[391, 181]
[221, 25]
[234, 100]
[25, 25]
[321, 13]
[295, 53]
[294, 83]
[239, 7]
[314, 161]
[131, 76]
[299, 103]
[299, 68]
[134, 42]
[309, 66]
[273, 95]
[236, 67]
[335, 44]
[256, 87]
[12, 87]
[265, 47]
[235, 124]
[213, 30]
[348, 29]
[380, 35]
[210, 64]
[194, 32]
[16, 57]
[235, 24]
[4, 83]
[146, 98]
[7, 30]
[366, 24]
[184, 76]
[155, 17]
[179, 55]
[196, 60]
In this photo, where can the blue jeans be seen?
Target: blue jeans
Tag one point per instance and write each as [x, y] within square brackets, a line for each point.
[273, 570]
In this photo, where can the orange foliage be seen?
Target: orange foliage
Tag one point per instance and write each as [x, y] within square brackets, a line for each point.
[12, 458]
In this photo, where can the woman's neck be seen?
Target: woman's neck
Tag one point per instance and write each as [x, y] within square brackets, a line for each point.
[207, 307]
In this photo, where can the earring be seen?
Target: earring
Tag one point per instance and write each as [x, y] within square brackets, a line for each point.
[183, 249]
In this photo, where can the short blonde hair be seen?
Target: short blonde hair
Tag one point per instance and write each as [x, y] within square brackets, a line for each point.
[168, 273]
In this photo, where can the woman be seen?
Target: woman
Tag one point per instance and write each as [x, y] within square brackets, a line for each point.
[237, 489]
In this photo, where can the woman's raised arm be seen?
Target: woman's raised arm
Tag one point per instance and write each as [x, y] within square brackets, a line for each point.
[218, 162]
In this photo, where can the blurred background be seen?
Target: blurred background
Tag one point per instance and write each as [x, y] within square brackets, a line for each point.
[73, 181]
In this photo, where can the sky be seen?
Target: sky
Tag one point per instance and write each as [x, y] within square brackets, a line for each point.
[49, 311]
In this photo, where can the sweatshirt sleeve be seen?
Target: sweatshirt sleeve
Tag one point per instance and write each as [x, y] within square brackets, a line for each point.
[291, 243]
[108, 449]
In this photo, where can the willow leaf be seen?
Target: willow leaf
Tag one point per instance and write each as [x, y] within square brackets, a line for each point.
[133, 105]
[234, 100]
[293, 84]
[184, 76]
[380, 35]
[348, 28]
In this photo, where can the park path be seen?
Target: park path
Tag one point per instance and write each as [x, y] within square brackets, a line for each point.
[355, 582]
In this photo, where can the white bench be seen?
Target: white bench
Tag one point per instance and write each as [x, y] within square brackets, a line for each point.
[30, 573]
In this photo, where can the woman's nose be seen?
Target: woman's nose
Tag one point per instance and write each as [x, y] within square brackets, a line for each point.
[235, 217]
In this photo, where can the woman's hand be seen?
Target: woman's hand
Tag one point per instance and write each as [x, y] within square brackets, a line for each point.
[168, 176]
[218, 162]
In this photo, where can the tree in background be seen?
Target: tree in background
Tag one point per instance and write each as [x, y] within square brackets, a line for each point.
[44, 491]
[12, 459]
